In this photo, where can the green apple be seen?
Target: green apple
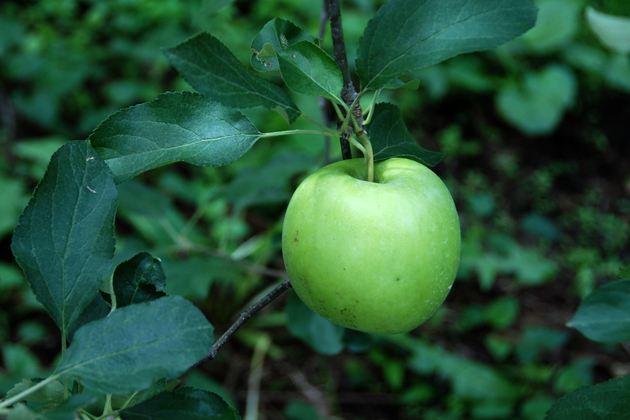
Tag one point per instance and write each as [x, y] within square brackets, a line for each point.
[379, 256]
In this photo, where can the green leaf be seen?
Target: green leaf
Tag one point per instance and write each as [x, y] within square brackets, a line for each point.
[68, 409]
[175, 127]
[557, 24]
[212, 69]
[307, 69]
[139, 279]
[624, 272]
[322, 335]
[612, 31]
[276, 35]
[605, 314]
[97, 309]
[537, 105]
[606, 401]
[185, 403]
[399, 84]
[390, 138]
[64, 241]
[409, 34]
[51, 393]
[137, 345]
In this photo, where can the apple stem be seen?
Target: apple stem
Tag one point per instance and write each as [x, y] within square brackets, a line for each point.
[369, 154]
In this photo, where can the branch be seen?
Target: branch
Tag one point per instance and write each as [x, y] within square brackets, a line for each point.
[247, 314]
[348, 92]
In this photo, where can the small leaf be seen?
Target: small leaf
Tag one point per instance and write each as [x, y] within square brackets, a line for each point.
[51, 393]
[605, 314]
[68, 409]
[612, 31]
[212, 69]
[175, 127]
[137, 345]
[537, 105]
[185, 403]
[409, 34]
[399, 84]
[606, 401]
[390, 138]
[139, 279]
[307, 69]
[276, 35]
[97, 309]
[322, 335]
[624, 273]
[64, 241]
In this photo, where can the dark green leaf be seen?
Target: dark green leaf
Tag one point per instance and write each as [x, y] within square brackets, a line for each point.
[399, 84]
[321, 334]
[51, 393]
[175, 127]
[185, 403]
[137, 345]
[606, 401]
[139, 279]
[97, 309]
[276, 35]
[390, 138]
[605, 314]
[410, 34]
[212, 69]
[625, 273]
[307, 69]
[64, 241]
[67, 410]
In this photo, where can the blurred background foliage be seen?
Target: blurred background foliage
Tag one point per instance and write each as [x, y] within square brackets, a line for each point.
[538, 160]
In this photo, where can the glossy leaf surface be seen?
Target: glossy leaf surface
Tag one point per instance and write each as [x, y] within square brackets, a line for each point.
[390, 137]
[212, 69]
[184, 127]
[410, 34]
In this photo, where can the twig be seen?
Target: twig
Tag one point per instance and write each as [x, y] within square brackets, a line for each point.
[247, 314]
[348, 92]
[322, 101]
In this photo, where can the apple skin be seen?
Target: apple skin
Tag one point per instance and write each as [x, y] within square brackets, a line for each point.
[378, 257]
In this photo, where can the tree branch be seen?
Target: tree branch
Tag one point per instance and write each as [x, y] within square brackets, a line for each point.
[247, 314]
[348, 92]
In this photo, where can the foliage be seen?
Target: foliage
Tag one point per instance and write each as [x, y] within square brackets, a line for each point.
[534, 136]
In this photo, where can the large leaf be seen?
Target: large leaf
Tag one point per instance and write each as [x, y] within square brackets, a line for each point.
[137, 345]
[307, 69]
[410, 34]
[390, 138]
[185, 403]
[276, 35]
[64, 240]
[175, 127]
[605, 314]
[212, 69]
[606, 401]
